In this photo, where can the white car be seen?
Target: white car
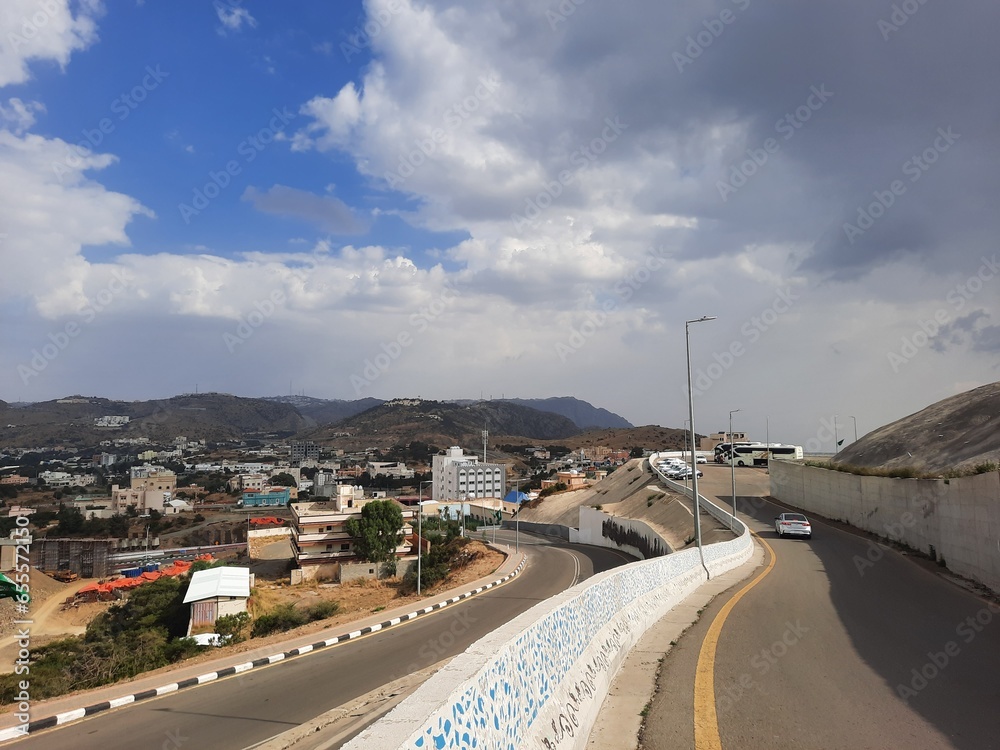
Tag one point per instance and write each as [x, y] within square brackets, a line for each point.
[701, 460]
[793, 524]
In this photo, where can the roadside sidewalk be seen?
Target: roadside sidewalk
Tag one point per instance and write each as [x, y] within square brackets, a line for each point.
[62, 710]
[621, 715]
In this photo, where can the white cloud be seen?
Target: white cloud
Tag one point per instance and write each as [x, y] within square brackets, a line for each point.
[43, 31]
[233, 18]
[19, 116]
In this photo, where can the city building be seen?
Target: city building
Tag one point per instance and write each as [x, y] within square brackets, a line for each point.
[709, 442]
[394, 469]
[303, 451]
[267, 497]
[458, 475]
[320, 541]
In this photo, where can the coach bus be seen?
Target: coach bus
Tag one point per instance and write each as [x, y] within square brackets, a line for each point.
[758, 455]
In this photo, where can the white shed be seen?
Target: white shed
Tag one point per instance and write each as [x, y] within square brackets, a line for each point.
[216, 592]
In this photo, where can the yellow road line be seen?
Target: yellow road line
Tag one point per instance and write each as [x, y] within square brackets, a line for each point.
[706, 720]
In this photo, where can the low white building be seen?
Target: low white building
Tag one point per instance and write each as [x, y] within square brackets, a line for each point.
[216, 592]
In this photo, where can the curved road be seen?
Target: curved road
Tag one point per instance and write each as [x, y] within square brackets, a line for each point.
[844, 644]
[240, 711]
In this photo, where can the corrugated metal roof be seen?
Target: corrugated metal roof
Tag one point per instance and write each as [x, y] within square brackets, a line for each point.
[225, 581]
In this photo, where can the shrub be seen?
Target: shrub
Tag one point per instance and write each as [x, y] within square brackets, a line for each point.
[281, 618]
[322, 610]
[233, 628]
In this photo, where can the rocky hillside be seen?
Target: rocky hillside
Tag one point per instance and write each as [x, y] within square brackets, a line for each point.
[322, 411]
[956, 433]
[210, 416]
[586, 416]
[442, 423]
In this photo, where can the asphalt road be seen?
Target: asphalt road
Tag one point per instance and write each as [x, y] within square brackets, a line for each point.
[844, 644]
[240, 711]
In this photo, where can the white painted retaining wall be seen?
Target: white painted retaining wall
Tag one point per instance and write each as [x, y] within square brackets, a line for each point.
[960, 518]
[539, 681]
[591, 531]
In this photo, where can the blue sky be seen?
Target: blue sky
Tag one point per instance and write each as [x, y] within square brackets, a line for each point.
[195, 95]
[441, 199]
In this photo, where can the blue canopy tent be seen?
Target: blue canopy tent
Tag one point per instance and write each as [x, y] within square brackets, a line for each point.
[516, 497]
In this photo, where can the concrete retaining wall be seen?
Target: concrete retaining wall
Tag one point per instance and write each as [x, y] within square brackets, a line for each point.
[539, 681]
[601, 529]
[955, 519]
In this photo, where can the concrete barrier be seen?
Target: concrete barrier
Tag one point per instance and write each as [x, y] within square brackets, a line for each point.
[954, 520]
[539, 681]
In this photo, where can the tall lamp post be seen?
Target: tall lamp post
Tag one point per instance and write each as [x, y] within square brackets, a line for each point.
[694, 464]
[517, 514]
[855, 428]
[732, 463]
[420, 518]
[836, 441]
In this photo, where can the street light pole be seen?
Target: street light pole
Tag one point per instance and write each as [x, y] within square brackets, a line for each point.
[420, 518]
[694, 465]
[517, 514]
[836, 442]
[855, 428]
[732, 463]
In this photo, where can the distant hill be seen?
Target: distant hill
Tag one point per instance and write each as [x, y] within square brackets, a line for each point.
[955, 433]
[326, 411]
[653, 437]
[213, 417]
[584, 415]
[444, 423]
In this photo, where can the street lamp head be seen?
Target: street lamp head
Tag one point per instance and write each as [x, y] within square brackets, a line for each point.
[702, 319]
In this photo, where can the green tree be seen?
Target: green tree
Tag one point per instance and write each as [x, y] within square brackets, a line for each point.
[70, 521]
[378, 532]
[284, 479]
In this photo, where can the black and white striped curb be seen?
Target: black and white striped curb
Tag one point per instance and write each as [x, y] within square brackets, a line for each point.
[66, 717]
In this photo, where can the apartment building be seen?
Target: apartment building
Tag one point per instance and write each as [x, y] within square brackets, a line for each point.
[458, 475]
[320, 541]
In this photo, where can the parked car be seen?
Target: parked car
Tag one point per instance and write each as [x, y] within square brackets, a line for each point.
[793, 524]
[701, 460]
[686, 473]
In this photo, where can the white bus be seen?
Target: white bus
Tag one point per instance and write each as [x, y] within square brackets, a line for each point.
[757, 455]
[722, 450]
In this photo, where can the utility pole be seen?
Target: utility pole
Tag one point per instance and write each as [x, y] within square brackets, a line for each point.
[732, 463]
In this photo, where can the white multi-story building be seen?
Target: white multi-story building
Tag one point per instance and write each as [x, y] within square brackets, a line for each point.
[395, 469]
[457, 475]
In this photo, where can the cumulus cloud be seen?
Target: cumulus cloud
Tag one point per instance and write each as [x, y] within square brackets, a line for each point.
[18, 116]
[49, 31]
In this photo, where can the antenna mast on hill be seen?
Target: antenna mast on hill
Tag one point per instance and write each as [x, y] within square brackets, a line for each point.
[486, 434]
